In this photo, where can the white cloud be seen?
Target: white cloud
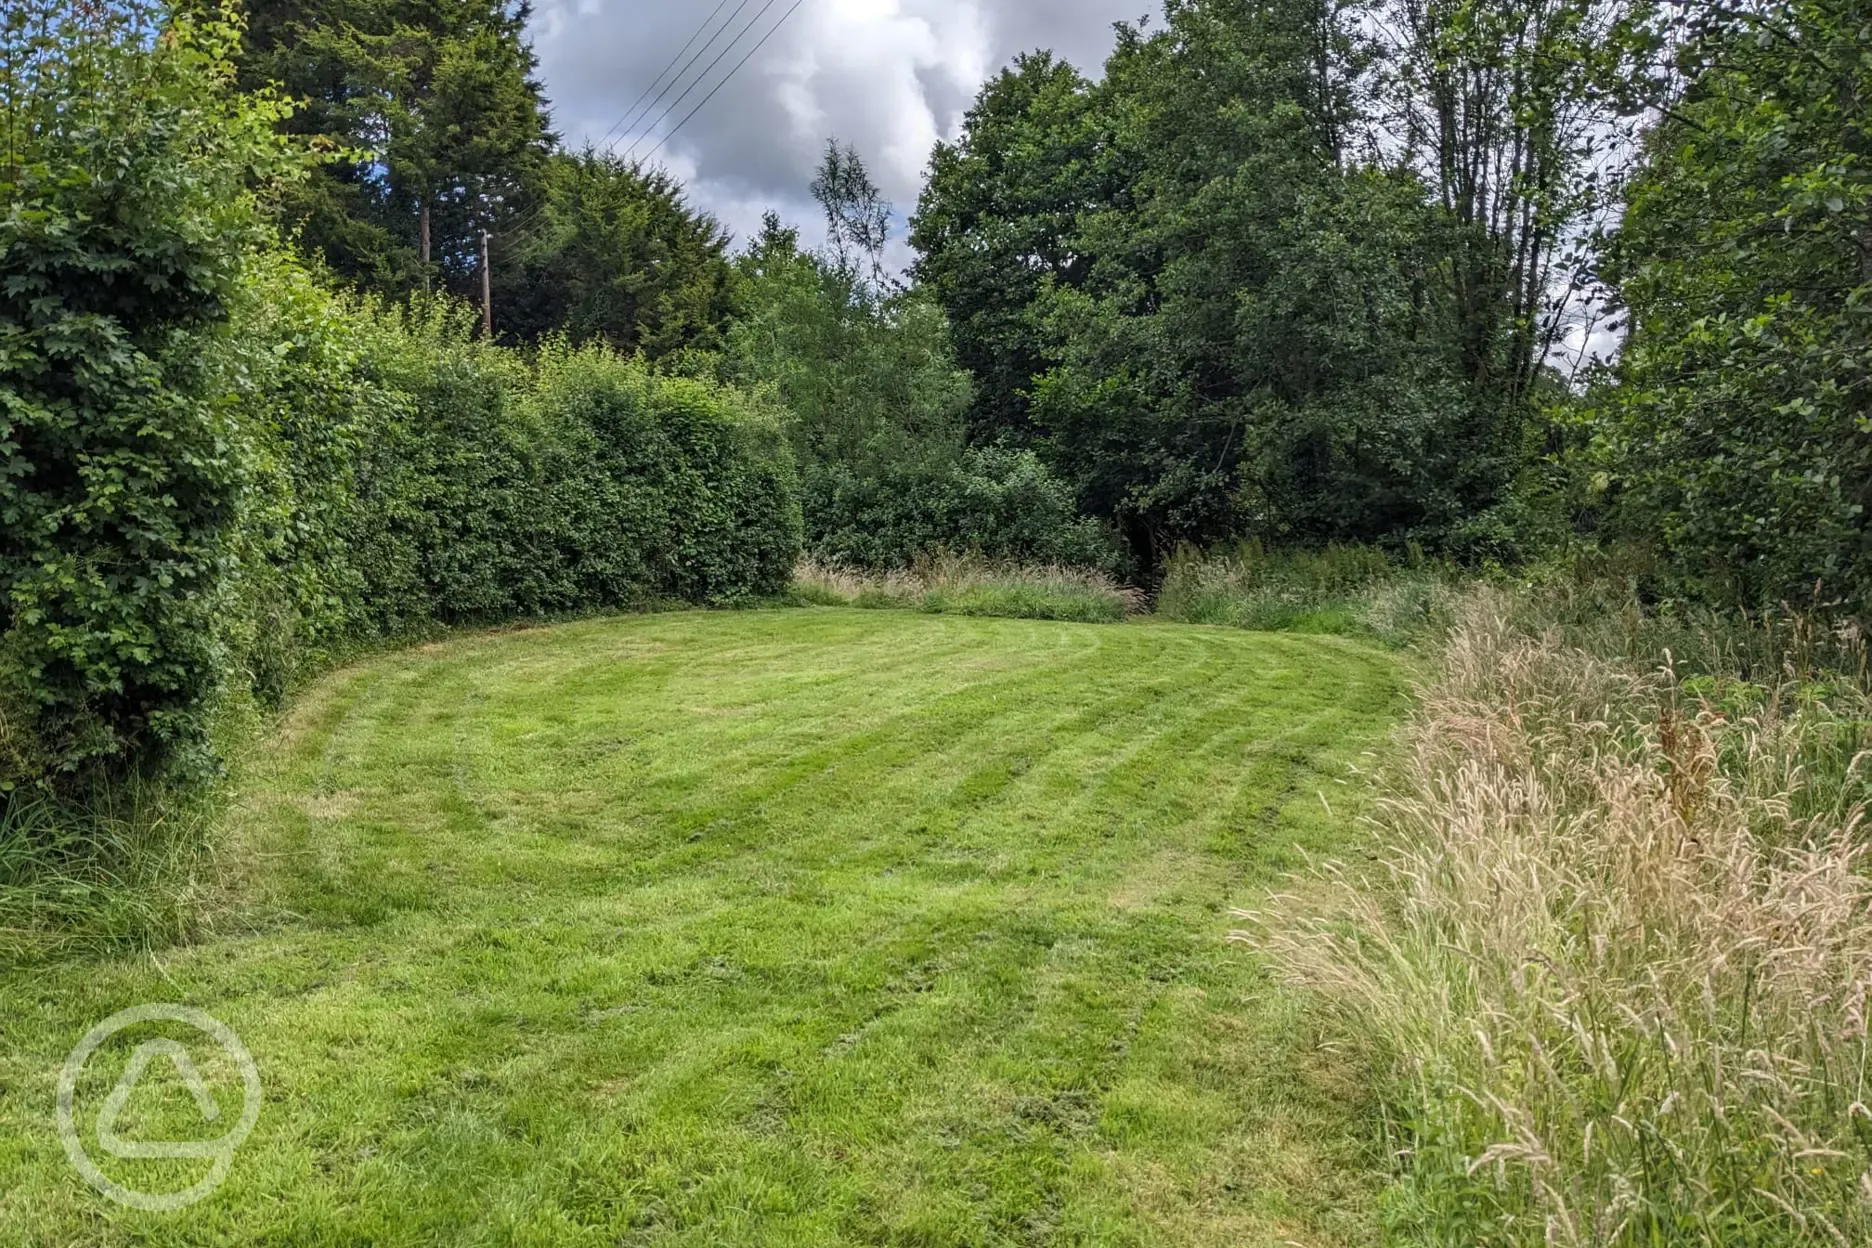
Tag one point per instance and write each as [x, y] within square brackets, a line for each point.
[889, 76]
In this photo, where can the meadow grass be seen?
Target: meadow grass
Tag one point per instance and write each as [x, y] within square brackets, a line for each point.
[123, 868]
[808, 927]
[1613, 971]
[1348, 590]
[952, 585]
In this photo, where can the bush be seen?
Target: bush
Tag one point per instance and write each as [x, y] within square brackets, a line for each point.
[667, 488]
[418, 475]
[1002, 505]
[126, 209]
[335, 474]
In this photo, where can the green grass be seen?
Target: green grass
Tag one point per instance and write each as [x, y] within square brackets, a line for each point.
[799, 927]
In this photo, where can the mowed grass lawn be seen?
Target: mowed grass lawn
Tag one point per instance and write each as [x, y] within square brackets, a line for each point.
[794, 927]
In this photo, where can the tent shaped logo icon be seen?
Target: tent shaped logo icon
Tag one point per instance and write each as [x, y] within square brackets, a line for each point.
[219, 1150]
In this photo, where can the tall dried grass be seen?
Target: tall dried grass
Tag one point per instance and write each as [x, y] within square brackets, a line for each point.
[960, 585]
[1615, 969]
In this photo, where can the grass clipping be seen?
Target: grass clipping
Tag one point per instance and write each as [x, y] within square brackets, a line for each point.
[956, 585]
[1618, 978]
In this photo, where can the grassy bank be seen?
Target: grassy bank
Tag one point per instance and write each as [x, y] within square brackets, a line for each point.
[809, 927]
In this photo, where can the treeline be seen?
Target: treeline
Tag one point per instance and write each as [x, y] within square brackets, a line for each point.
[1302, 271]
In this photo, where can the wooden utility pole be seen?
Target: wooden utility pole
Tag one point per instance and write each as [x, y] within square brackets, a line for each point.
[487, 290]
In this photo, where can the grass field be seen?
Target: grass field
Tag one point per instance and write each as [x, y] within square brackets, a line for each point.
[810, 927]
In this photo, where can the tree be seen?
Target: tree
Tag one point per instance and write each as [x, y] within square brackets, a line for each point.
[1510, 111]
[433, 104]
[997, 225]
[1195, 304]
[867, 373]
[616, 255]
[857, 215]
[1739, 434]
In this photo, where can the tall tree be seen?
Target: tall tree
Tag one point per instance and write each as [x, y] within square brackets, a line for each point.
[441, 124]
[1510, 111]
[1194, 302]
[1739, 437]
[616, 254]
[998, 221]
[857, 214]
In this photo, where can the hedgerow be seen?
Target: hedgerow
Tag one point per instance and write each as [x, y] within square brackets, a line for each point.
[216, 477]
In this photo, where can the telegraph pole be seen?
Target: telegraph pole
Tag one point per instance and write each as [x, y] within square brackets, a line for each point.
[487, 290]
[423, 224]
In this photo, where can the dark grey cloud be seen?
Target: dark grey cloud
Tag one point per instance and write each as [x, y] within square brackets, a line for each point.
[890, 76]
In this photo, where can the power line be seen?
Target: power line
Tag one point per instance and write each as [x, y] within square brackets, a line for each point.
[631, 116]
[703, 76]
[784, 18]
[622, 127]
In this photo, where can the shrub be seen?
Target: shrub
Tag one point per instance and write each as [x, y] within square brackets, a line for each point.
[419, 476]
[217, 477]
[669, 487]
[1004, 505]
[126, 211]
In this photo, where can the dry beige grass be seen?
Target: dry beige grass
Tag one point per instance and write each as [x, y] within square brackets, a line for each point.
[1617, 971]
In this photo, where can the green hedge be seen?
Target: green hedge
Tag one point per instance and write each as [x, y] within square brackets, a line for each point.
[218, 477]
[386, 472]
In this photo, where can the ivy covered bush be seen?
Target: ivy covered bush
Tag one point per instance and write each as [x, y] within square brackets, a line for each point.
[217, 477]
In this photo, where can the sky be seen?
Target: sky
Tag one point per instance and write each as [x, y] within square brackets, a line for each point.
[891, 77]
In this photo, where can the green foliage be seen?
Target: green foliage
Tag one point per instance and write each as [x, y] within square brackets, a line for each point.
[1002, 504]
[876, 405]
[666, 488]
[429, 476]
[857, 214]
[618, 257]
[1187, 291]
[997, 223]
[1737, 437]
[127, 209]
[122, 866]
[216, 477]
[866, 372]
